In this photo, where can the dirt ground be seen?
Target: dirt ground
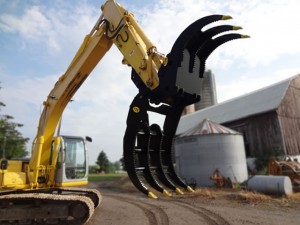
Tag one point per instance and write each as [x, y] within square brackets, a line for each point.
[123, 205]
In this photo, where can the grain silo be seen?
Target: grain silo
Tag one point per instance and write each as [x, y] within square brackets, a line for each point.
[209, 146]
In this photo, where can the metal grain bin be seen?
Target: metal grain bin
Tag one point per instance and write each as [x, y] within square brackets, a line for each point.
[209, 146]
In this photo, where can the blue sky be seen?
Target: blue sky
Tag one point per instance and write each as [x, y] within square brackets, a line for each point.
[38, 39]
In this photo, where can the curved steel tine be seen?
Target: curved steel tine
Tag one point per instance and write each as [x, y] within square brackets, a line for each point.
[189, 32]
[156, 139]
[134, 155]
[148, 159]
[201, 37]
[211, 45]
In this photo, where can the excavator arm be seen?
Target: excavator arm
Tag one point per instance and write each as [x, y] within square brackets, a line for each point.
[114, 26]
[92, 50]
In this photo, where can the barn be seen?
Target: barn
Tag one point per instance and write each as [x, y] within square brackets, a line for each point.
[269, 118]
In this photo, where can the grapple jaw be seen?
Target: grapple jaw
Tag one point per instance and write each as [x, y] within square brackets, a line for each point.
[194, 44]
[148, 154]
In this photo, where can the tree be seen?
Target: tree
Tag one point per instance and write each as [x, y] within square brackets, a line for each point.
[117, 165]
[94, 168]
[103, 162]
[12, 143]
[114, 166]
[122, 164]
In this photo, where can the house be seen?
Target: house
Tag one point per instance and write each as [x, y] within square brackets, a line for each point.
[268, 118]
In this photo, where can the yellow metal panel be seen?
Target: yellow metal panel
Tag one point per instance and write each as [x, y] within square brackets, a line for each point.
[72, 184]
[14, 166]
[138, 51]
[12, 179]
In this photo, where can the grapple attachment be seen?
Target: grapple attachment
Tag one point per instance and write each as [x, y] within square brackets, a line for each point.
[148, 155]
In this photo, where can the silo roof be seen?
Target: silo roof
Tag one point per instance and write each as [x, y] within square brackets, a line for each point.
[207, 127]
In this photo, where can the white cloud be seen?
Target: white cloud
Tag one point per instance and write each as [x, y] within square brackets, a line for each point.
[32, 25]
[53, 27]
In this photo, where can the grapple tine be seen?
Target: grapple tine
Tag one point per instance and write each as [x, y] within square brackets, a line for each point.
[211, 45]
[166, 172]
[175, 56]
[135, 156]
[189, 32]
[193, 38]
[143, 143]
[201, 37]
[155, 143]
[166, 145]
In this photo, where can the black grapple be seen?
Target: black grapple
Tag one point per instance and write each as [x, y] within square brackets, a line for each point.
[148, 154]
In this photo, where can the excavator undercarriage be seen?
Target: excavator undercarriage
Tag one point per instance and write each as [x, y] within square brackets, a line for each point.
[72, 206]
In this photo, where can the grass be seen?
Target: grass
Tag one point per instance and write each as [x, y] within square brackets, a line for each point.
[247, 196]
[105, 177]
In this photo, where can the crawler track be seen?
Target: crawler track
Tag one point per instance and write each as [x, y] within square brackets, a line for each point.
[71, 206]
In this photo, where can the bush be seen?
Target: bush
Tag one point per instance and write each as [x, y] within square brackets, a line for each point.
[262, 159]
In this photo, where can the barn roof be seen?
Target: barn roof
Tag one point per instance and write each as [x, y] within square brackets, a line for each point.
[257, 102]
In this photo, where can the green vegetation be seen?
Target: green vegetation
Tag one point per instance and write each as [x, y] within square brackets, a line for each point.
[105, 177]
[103, 162]
[262, 159]
[12, 143]
[103, 165]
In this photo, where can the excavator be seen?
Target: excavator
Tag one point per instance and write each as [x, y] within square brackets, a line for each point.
[44, 190]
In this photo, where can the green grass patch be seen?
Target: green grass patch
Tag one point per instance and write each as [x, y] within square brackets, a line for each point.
[105, 177]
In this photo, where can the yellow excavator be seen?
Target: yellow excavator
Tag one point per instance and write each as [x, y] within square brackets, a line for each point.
[44, 189]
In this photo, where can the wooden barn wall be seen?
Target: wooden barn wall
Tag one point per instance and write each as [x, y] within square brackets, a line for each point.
[289, 117]
[261, 133]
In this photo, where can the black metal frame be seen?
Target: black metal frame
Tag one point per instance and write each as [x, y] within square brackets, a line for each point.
[148, 155]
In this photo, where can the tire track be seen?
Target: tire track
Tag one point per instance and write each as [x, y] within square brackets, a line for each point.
[210, 217]
[151, 213]
[156, 215]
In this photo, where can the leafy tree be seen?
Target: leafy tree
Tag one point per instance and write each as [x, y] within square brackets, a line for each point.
[122, 164]
[117, 165]
[94, 168]
[12, 143]
[103, 162]
[263, 158]
[114, 166]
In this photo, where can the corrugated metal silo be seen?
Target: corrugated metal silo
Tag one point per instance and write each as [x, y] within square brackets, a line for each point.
[209, 146]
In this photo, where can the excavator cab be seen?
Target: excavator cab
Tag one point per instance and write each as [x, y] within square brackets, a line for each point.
[71, 165]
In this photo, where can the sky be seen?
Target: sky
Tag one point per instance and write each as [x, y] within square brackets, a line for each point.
[39, 38]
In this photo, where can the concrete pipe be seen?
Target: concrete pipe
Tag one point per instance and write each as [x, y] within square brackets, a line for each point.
[274, 185]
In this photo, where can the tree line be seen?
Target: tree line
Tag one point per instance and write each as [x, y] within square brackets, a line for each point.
[103, 165]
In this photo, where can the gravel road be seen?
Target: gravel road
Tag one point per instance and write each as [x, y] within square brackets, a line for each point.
[126, 206]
